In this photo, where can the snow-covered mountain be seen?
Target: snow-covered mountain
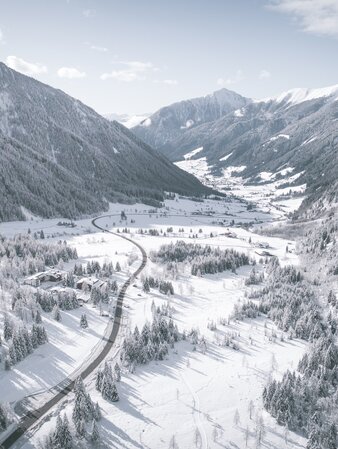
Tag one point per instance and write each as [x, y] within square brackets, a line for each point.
[127, 120]
[59, 157]
[296, 130]
[173, 121]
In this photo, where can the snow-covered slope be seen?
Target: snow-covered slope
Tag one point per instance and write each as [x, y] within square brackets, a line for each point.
[127, 120]
[298, 129]
[173, 121]
[59, 157]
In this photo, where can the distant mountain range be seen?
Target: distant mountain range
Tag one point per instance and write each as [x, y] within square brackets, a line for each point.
[61, 158]
[296, 130]
[127, 120]
[171, 122]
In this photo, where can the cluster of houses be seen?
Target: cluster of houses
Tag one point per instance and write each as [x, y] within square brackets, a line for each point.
[58, 277]
[52, 275]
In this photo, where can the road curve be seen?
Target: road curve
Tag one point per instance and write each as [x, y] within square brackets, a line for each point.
[33, 416]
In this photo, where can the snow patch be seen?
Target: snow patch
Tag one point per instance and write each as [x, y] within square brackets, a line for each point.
[306, 142]
[192, 153]
[188, 124]
[146, 122]
[280, 136]
[224, 158]
[266, 175]
[239, 112]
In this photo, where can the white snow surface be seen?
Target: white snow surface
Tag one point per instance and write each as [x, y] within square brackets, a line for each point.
[192, 153]
[299, 95]
[280, 136]
[224, 158]
[189, 390]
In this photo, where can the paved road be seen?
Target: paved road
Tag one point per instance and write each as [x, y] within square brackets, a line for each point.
[68, 384]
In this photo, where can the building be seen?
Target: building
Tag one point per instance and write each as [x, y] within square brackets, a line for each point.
[87, 283]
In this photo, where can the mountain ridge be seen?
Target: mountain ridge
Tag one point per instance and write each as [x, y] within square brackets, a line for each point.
[103, 159]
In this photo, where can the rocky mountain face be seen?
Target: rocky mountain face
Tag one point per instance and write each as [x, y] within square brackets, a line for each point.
[171, 122]
[59, 157]
[298, 131]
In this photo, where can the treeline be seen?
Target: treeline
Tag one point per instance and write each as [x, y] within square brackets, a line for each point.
[21, 341]
[289, 300]
[203, 259]
[307, 401]
[85, 416]
[64, 299]
[152, 343]
[165, 287]
[22, 255]
[83, 428]
[94, 268]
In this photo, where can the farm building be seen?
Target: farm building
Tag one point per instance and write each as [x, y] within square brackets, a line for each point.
[87, 283]
[52, 275]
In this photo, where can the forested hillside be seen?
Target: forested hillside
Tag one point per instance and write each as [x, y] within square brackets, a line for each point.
[59, 157]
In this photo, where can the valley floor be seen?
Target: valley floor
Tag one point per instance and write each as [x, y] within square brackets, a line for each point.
[191, 398]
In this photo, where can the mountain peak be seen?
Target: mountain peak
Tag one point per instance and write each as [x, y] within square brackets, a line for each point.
[300, 95]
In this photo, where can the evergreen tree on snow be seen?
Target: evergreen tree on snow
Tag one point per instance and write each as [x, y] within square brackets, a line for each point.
[95, 435]
[97, 412]
[117, 372]
[8, 328]
[38, 318]
[3, 418]
[56, 313]
[83, 321]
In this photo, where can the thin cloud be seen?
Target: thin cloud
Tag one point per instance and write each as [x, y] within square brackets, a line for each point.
[98, 48]
[89, 13]
[131, 71]
[169, 82]
[239, 76]
[25, 67]
[313, 16]
[70, 73]
[264, 74]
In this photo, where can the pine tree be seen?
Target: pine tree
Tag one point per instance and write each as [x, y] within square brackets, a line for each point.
[95, 435]
[57, 438]
[83, 321]
[66, 435]
[117, 372]
[7, 363]
[80, 428]
[56, 313]
[118, 267]
[99, 379]
[38, 318]
[97, 412]
[8, 328]
[108, 390]
[3, 419]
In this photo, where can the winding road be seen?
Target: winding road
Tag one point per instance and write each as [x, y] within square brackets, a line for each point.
[31, 417]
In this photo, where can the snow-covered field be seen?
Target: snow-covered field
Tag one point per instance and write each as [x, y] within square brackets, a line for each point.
[192, 397]
[268, 193]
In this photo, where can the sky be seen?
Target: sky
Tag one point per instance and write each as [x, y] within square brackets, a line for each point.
[133, 56]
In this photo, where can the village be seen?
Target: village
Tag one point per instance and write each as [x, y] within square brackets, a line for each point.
[92, 284]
